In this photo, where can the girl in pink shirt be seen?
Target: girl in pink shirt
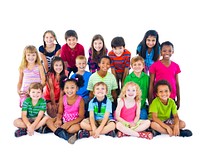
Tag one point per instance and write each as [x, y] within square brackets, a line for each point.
[128, 113]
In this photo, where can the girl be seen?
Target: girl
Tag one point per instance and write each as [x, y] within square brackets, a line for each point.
[33, 110]
[128, 113]
[149, 48]
[49, 49]
[97, 50]
[30, 70]
[52, 88]
[70, 111]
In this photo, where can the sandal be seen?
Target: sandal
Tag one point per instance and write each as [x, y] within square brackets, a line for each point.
[120, 134]
[147, 135]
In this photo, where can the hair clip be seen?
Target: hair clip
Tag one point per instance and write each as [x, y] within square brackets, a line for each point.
[65, 80]
[76, 79]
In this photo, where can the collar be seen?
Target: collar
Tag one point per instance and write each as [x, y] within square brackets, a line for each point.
[103, 101]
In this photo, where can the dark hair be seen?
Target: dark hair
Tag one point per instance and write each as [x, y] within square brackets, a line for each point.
[168, 43]
[144, 47]
[70, 33]
[117, 41]
[161, 82]
[106, 57]
[78, 80]
[51, 70]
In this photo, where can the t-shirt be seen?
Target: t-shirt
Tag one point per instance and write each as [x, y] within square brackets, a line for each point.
[32, 111]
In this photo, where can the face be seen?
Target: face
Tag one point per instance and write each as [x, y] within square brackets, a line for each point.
[58, 67]
[70, 88]
[118, 50]
[137, 66]
[131, 92]
[98, 45]
[167, 51]
[163, 93]
[71, 41]
[31, 57]
[49, 39]
[100, 91]
[151, 41]
[104, 64]
[35, 94]
[81, 65]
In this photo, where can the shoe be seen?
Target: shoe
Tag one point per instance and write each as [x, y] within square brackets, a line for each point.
[83, 134]
[44, 129]
[185, 133]
[72, 138]
[111, 133]
[144, 134]
[20, 132]
[154, 132]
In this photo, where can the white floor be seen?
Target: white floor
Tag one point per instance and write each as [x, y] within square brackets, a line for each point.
[25, 24]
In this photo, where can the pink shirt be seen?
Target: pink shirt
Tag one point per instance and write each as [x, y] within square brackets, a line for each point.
[128, 114]
[166, 73]
[71, 112]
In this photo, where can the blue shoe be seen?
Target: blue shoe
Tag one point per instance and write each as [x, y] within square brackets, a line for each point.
[20, 132]
[185, 133]
[111, 134]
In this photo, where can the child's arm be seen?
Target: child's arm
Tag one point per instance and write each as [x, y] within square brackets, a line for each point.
[113, 72]
[42, 75]
[114, 95]
[91, 95]
[44, 59]
[51, 86]
[102, 125]
[176, 130]
[19, 85]
[25, 119]
[92, 121]
[137, 117]
[151, 85]
[126, 72]
[57, 53]
[177, 92]
[59, 115]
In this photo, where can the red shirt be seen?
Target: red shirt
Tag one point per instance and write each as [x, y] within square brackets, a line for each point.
[69, 55]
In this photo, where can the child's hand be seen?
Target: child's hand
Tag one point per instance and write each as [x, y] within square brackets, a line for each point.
[97, 133]
[132, 124]
[169, 130]
[176, 130]
[58, 123]
[30, 130]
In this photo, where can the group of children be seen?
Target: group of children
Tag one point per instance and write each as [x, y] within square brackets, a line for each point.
[142, 104]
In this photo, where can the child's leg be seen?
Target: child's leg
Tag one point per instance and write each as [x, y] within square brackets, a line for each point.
[143, 125]
[158, 128]
[85, 124]
[42, 122]
[50, 123]
[126, 130]
[108, 127]
[19, 123]
[73, 129]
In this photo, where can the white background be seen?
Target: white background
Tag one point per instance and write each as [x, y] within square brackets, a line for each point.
[23, 22]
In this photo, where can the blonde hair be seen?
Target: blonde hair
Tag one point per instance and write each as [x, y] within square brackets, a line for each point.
[81, 57]
[29, 49]
[36, 85]
[136, 59]
[138, 91]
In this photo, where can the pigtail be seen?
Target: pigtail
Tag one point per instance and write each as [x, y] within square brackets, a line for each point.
[79, 80]
[63, 79]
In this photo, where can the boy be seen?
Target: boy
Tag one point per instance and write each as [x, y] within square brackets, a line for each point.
[71, 50]
[81, 63]
[161, 110]
[142, 79]
[120, 61]
[100, 119]
[33, 110]
[103, 75]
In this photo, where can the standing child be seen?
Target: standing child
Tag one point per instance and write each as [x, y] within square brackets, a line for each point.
[104, 76]
[120, 61]
[71, 50]
[33, 110]
[142, 79]
[52, 92]
[81, 63]
[70, 111]
[30, 70]
[128, 113]
[100, 119]
[161, 110]
[165, 69]
[149, 49]
[49, 49]
[96, 51]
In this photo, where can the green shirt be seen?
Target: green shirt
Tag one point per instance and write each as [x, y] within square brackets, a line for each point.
[143, 82]
[109, 80]
[32, 111]
[163, 111]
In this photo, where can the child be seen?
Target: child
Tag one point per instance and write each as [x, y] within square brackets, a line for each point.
[33, 110]
[103, 75]
[70, 112]
[96, 51]
[100, 119]
[149, 49]
[52, 92]
[160, 112]
[71, 50]
[165, 69]
[128, 113]
[30, 70]
[142, 79]
[81, 63]
[120, 61]
[49, 49]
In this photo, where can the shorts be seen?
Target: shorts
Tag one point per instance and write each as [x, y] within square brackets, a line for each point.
[98, 122]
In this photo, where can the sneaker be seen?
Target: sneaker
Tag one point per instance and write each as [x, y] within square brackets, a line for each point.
[185, 133]
[20, 132]
[154, 132]
[44, 129]
[72, 139]
[83, 134]
[111, 133]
